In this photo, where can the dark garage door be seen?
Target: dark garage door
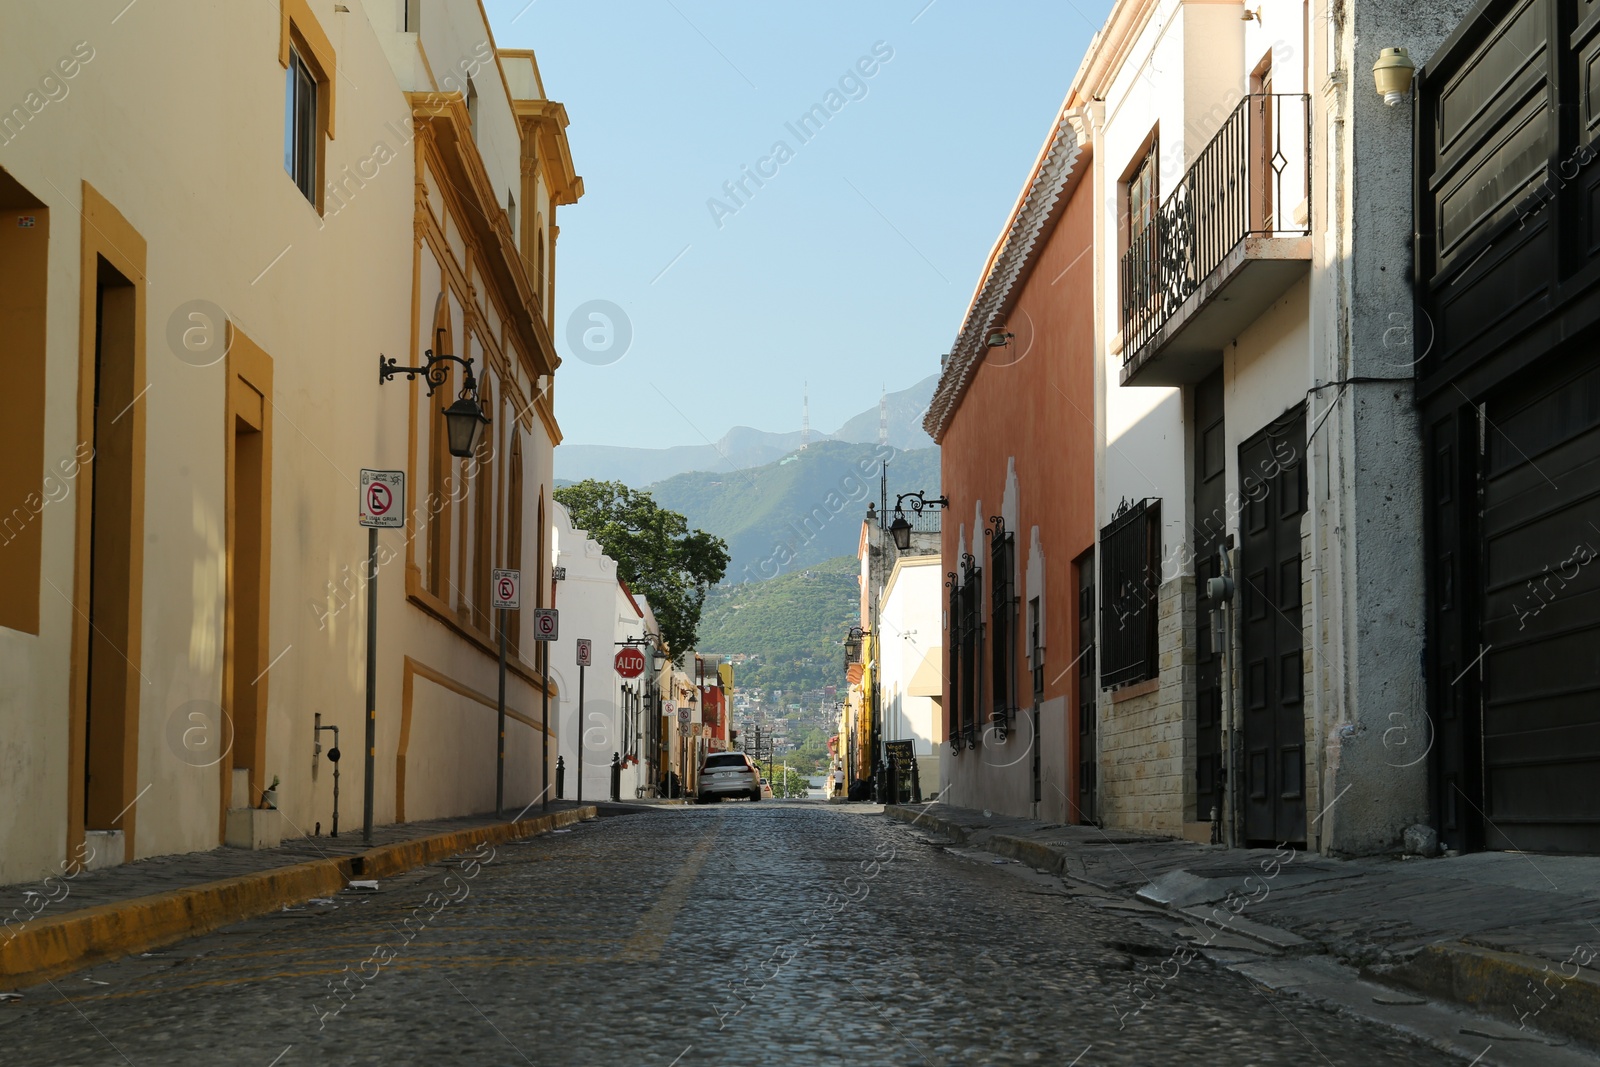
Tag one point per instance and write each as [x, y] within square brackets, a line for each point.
[1541, 617]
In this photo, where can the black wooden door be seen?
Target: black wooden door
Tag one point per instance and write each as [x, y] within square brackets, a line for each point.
[1273, 487]
[1088, 688]
[1454, 665]
[1209, 530]
[1541, 616]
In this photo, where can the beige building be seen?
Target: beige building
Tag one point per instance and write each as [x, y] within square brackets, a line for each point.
[203, 262]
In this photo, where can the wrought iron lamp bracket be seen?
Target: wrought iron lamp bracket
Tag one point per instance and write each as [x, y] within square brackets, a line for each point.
[919, 501]
[435, 370]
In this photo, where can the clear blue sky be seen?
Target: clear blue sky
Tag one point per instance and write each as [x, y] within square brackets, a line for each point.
[851, 266]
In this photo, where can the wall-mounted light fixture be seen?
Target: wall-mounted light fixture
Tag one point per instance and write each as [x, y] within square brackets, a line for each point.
[998, 337]
[852, 645]
[1251, 14]
[900, 528]
[1393, 72]
[462, 419]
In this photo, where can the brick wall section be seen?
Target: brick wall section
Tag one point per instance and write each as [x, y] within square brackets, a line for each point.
[1147, 742]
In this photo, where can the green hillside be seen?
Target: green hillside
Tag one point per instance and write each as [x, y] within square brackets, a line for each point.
[795, 624]
[799, 511]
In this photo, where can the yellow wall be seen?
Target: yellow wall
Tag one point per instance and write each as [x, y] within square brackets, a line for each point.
[192, 174]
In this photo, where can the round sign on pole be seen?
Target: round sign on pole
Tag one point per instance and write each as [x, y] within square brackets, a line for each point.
[629, 662]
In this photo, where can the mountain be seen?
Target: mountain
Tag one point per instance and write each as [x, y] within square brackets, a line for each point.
[906, 409]
[744, 447]
[799, 511]
[795, 625]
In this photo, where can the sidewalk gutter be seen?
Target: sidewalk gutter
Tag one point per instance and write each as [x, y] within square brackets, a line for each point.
[1483, 980]
[48, 947]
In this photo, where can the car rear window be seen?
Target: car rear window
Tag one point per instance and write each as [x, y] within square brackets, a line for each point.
[725, 761]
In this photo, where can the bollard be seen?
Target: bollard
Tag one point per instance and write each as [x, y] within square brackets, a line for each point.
[616, 777]
[561, 777]
[892, 793]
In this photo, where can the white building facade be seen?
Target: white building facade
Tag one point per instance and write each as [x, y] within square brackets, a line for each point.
[596, 607]
[910, 662]
[1260, 546]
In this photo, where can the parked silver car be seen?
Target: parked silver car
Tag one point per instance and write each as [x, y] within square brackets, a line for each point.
[728, 774]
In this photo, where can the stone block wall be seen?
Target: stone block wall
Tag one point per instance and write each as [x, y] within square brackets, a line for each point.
[1147, 731]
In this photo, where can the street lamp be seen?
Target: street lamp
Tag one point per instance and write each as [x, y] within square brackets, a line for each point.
[462, 419]
[900, 528]
[852, 645]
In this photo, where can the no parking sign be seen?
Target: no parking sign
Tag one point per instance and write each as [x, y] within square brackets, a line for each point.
[383, 499]
[507, 586]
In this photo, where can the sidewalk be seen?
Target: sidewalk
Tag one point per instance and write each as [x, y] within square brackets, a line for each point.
[1513, 935]
[62, 924]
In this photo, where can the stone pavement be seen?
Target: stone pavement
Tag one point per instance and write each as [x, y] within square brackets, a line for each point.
[798, 933]
[1511, 934]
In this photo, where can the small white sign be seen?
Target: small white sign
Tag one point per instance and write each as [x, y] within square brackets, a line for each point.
[585, 652]
[558, 574]
[507, 587]
[546, 624]
[383, 499]
[669, 708]
[683, 717]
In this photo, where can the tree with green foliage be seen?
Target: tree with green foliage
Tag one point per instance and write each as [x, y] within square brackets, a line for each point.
[656, 552]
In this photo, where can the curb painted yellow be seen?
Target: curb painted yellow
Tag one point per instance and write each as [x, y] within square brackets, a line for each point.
[48, 947]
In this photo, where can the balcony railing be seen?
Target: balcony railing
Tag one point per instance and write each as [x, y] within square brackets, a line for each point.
[1252, 180]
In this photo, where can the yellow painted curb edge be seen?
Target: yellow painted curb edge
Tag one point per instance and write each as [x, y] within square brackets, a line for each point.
[48, 947]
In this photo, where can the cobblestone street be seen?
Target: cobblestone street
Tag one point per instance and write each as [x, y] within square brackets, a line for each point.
[738, 933]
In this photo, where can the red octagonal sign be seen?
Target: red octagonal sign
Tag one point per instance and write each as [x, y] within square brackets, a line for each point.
[629, 662]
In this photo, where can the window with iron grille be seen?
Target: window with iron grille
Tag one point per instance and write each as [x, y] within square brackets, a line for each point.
[952, 713]
[971, 647]
[1002, 620]
[1130, 575]
[1036, 649]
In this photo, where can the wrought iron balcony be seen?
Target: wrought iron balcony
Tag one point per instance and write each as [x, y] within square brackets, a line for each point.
[1226, 243]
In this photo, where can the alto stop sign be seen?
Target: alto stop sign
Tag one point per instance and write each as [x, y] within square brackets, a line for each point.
[629, 662]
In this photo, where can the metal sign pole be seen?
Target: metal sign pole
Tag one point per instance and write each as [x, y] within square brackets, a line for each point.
[372, 678]
[544, 723]
[581, 670]
[500, 759]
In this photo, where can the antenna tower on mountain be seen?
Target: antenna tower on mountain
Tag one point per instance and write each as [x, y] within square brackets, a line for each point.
[805, 416]
[883, 416]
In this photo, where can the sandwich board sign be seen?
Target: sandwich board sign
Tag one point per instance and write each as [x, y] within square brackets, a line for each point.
[383, 499]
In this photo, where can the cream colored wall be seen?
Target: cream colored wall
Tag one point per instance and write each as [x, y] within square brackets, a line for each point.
[909, 620]
[1142, 427]
[191, 154]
